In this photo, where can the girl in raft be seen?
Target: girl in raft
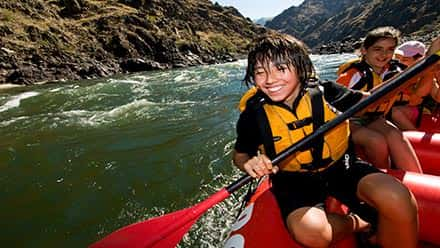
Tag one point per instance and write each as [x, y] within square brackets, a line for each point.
[285, 106]
[380, 139]
[407, 111]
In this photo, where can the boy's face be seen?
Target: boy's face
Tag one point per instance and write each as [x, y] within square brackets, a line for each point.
[380, 53]
[279, 82]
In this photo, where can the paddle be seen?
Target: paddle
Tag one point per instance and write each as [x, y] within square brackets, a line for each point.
[168, 230]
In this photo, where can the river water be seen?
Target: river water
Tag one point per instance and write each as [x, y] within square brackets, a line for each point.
[81, 159]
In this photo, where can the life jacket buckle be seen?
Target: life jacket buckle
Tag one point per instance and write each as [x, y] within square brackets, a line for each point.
[299, 123]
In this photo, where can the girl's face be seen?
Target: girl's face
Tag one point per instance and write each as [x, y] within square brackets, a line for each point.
[380, 53]
[279, 82]
[408, 61]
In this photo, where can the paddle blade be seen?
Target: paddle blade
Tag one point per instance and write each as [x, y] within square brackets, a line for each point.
[162, 231]
[135, 235]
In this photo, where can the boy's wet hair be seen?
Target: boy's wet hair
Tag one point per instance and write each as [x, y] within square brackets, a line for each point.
[279, 49]
[380, 33]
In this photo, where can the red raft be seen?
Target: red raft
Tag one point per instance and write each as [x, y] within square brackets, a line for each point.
[430, 122]
[260, 224]
[427, 147]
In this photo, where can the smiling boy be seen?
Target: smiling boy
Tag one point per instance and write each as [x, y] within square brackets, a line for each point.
[285, 106]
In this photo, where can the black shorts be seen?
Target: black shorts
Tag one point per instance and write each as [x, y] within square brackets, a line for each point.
[294, 190]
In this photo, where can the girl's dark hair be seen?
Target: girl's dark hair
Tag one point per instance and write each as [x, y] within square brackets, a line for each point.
[417, 56]
[381, 33]
[279, 49]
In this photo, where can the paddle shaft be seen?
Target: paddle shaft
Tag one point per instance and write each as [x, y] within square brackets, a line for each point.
[387, 87]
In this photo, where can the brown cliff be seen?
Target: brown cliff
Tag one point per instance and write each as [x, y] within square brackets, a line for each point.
[78, 39]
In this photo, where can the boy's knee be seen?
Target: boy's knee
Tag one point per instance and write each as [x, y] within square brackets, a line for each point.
[401, 204]
[310, 231]
[396, 113]
[376, 141]
[395, 201]
[314, 238]
[394, 134]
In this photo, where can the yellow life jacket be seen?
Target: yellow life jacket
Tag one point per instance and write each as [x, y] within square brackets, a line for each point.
[287, 127]
[248, 94]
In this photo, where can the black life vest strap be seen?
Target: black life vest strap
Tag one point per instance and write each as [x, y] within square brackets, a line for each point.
[317, 120]
[263, 125]
[420, 114]
[400, 103]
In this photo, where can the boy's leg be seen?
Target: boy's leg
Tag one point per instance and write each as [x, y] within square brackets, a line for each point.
[301, 197]
[313, 227]
[373, 144]
[401, 151]
[378, 198]
[402, 116]
[397, 208]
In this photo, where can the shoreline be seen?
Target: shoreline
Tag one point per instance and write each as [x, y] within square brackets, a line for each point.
[10, 86]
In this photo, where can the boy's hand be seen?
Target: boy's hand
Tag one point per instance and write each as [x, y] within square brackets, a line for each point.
[259, 166]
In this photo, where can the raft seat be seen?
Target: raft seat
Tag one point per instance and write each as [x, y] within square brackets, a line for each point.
[264, 220]
[261, 224]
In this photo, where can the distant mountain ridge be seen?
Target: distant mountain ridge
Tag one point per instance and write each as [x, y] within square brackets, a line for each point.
[318, 22]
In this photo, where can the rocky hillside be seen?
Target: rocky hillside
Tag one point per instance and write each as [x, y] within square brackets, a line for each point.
[304, 19]
[319, 22]
[46, 40]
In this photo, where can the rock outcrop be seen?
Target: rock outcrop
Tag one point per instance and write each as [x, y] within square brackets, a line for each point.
[52, 40]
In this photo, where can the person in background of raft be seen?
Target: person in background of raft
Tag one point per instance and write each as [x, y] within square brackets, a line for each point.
[285, 106]
[410, 52]
[406, 112]
[380, 139]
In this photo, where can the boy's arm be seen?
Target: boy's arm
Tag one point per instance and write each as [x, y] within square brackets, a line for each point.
[245, 155]
[239, 159]
[340, 96]
[246, 145]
